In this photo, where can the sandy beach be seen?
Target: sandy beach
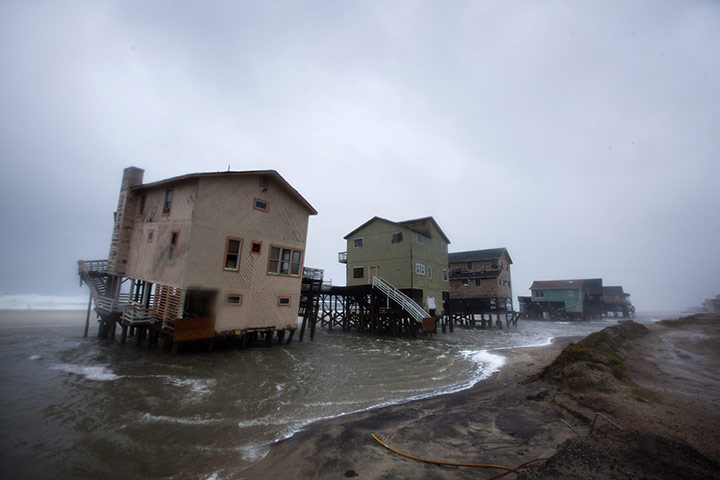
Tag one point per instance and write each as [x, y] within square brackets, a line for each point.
[659, 383]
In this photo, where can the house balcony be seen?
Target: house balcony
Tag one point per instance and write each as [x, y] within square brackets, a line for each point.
[342, 257]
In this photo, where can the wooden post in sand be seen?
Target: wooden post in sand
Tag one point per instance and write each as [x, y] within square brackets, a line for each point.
[87, 318]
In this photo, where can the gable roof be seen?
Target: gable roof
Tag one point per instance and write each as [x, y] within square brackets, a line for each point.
[613, 291]
[419, 225]
[590, 283]
[473, 255]
[274, 175]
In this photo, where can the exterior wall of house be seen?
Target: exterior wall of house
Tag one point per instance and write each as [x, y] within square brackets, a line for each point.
[573, 298]
[205, 213]
[391, 259]
[499, 286]
[226, 208]
[396, 262]
[148, 257]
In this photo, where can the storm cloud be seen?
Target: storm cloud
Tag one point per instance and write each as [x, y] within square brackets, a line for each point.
[582, 136]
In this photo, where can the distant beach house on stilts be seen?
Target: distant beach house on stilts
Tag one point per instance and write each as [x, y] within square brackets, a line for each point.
[481, 278]
[412, 256]
[480, 287]
[573, 299]
[203, 255]
[616, 301]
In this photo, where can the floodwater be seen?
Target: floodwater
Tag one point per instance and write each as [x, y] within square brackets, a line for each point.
[74, 407]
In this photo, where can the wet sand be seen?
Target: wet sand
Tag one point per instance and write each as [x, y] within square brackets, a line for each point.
[666, 403]
[492, 422]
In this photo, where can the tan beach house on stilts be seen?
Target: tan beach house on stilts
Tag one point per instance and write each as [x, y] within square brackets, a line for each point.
[203, 255]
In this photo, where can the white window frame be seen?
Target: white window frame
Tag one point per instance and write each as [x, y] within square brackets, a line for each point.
[358, 242]
[443, 247]
[234, 254]
[445, 275]
[419, 269]
[418, 238]
[429, 272]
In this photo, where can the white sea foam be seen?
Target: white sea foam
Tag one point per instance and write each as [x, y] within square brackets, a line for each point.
[543, 343]
[253, 453]
[35, 357]
[197, 386]
[487, 362]
[194, 420]
[99, 373]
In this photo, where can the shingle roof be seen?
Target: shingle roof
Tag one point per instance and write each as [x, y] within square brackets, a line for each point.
[589, 283]
[556, 284]
[271, 173]
[419, 225]
[473, 255]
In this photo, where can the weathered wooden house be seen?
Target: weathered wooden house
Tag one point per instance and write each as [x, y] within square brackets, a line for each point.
[411, 255]
[480, 280]
[206, 253]
[616, 301]
[566, 298]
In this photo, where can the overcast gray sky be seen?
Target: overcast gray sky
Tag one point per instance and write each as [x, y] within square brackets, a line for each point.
[584, 136]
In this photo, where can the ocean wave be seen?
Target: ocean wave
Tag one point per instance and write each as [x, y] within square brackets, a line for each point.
[194, 420]
[99, 373]
[42, 302]
[200, 387]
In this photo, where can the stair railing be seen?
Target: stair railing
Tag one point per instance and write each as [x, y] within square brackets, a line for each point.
[405, 302]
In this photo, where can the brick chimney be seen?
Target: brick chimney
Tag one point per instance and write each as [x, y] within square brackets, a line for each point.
[124, 221]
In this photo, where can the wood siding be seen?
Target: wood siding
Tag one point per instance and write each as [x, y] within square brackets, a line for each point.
[396, 262]
[206, 211]
[490, 287]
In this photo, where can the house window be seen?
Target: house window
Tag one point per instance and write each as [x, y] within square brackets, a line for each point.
[397, 237]
[539, 293]
[469, 265]
[284, 261]
[359, 242]
[445, 275]
[358, 272]
[443, 247]
[232, 254]
[571, 293]
[429, 270]
[261, 205]
[233, 299]
[486, 264]
[418, 238]
[168, 201]
[465, 282]
[284, 301]
[420, 269]
[151, 234]
[141, 207]
[173, 245]
[256, 248]
[478, 282]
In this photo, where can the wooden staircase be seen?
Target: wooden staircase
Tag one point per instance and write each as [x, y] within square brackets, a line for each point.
[94, 274]
[406, 303]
